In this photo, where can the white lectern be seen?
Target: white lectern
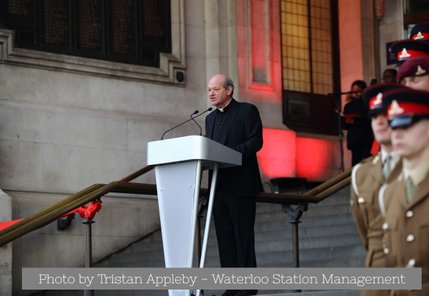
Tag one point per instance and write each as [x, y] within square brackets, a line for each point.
[179, 163]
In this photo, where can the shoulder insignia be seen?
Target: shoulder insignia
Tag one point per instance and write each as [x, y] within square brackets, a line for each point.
[375, 159]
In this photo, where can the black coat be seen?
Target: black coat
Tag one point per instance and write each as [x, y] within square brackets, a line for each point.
[359, 133]
[241, 131]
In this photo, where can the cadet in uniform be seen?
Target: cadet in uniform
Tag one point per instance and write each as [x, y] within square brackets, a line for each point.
[367, 178]
[405, 201]
[414, 73]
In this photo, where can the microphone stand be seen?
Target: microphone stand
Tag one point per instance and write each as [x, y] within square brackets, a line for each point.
[337, 97]
[193, 119]
[343, 93]
[176, 126]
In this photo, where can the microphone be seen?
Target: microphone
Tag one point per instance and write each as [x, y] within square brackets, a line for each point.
[192, 118]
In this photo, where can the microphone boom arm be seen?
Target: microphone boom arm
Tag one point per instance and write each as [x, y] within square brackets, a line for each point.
[199, 126]
[186, 121]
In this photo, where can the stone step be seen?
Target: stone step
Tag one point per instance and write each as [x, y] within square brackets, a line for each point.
[308, 238]
[327, 238]
[265, 242]
[329, 256]
[206, 293]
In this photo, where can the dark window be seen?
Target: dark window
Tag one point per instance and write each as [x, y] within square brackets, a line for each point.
[128, 31]
[415, 11]
[310, 67]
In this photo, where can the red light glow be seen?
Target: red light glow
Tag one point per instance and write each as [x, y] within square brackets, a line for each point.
[286, 155]
[277, 156]
[315, 158]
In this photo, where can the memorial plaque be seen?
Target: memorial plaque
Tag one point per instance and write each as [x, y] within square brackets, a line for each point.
[156, 25]
[123, 29]
[21, 11]
[153, 23]
[56, 23]
[20, 14]
[90, 25]
[127, 31]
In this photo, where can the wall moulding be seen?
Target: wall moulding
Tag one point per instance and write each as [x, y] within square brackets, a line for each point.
[258, 50]
[170, 64]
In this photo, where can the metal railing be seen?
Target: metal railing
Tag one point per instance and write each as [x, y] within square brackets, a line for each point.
[294, 204]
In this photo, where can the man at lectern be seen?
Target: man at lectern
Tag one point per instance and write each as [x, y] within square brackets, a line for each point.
[236, 125]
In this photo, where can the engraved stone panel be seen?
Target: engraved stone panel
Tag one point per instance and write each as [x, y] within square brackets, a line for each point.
[56, 23]
[90, 25]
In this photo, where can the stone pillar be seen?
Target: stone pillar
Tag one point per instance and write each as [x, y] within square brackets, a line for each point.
[5, 251]
[350, 35]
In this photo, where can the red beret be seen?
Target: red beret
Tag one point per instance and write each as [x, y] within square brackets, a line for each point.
[413, 67]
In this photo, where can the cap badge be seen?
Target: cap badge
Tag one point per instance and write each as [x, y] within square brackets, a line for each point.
[404, 54]
[395, 109]
[378, 99]
[418, 36]
[420, 71]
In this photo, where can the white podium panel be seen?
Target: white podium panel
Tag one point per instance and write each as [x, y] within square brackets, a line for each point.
[177, 205]
[178, 167]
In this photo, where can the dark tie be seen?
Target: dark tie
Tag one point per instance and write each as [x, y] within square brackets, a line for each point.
[411, 188]
[387, 166]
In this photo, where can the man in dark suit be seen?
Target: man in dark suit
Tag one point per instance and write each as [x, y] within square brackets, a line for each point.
[357, 124]
[236, 125]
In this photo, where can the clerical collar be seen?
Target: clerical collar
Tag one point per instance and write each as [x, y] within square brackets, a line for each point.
[223, 109]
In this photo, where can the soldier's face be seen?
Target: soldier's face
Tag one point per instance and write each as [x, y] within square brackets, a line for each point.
[381, 129]
[417, 82]
[411, 141]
